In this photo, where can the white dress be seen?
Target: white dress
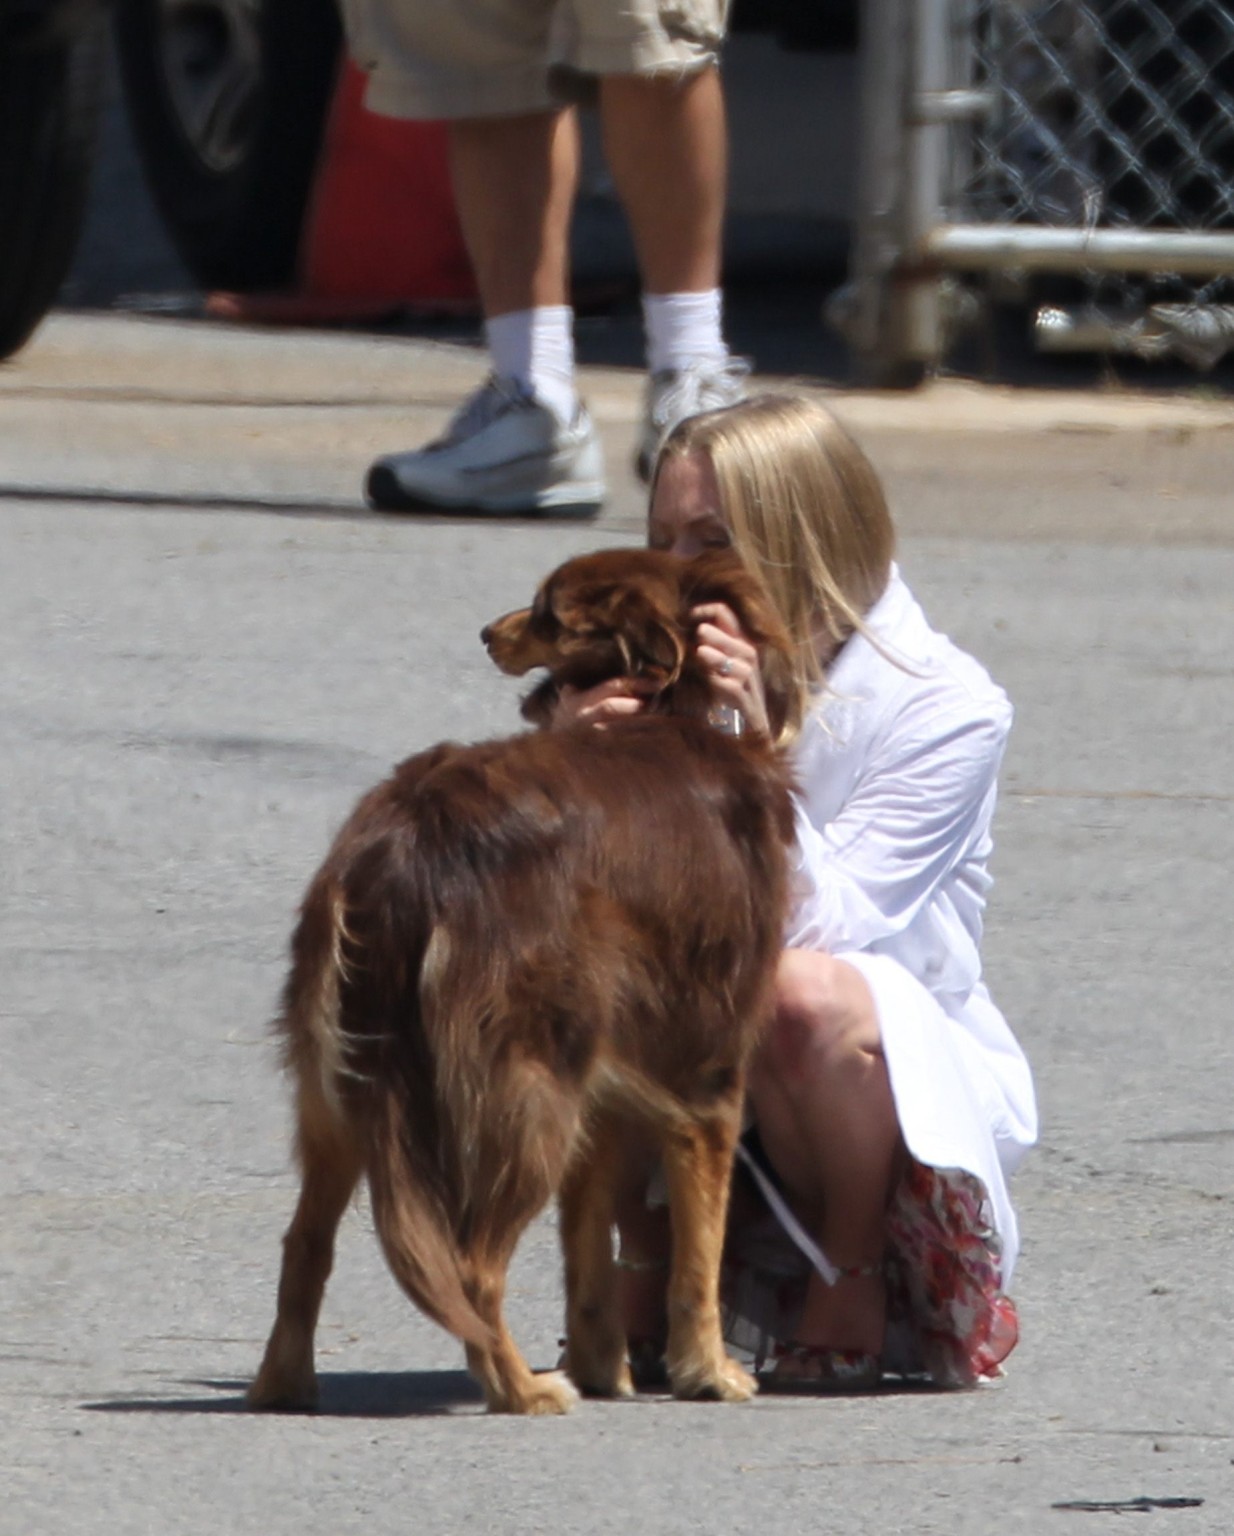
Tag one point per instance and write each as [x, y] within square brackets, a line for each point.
[897, 764]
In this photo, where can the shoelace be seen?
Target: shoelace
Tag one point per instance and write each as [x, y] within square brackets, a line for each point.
[701, 387]
[494, 398]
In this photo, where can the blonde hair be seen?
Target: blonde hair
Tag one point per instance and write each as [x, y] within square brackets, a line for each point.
[807, 513]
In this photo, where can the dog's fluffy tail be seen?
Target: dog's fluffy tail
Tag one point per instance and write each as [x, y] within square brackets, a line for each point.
[311, 1020]
[332, 1070]
[415, 1235]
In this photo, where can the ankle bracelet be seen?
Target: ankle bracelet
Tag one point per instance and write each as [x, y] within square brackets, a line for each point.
[861, 1271]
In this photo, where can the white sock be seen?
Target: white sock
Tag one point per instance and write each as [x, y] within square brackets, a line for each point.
[536, 347]
[683, 328]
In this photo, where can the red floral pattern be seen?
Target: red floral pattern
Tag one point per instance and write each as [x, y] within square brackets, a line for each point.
[944, 1276]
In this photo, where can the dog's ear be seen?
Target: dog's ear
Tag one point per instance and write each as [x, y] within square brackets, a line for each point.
[720, 576]
[649, 628]
[642, 620]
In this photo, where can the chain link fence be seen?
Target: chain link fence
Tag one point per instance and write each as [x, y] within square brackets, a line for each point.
[1091, 138]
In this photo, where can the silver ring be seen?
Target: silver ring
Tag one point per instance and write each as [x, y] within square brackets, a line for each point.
[726, 666]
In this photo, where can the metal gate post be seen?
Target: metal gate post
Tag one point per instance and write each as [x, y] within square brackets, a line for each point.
[876, 322]
[912, 91]
[926, 160]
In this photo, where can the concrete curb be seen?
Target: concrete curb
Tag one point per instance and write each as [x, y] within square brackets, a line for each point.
[113, 358]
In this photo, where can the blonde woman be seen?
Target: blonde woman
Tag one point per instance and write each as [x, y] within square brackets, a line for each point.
[872, 1233]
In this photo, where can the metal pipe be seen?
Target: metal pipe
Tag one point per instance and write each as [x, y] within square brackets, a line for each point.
[874, 331]
[957, 106]
[927, 140]
[1200, 334]
[985, 247]
[926, 156]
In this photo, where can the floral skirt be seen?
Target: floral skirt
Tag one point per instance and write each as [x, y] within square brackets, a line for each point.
[948, 1321]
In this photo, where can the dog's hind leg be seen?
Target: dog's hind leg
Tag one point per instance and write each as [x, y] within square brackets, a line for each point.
[595, 1337]
[510, 1385]
[698, 1158]
[515, 1173]
[331, 1167]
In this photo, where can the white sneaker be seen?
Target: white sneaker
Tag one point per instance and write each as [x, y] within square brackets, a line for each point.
[680, 392]
[503, 452]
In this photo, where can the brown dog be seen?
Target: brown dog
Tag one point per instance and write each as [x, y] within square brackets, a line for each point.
[513, 952]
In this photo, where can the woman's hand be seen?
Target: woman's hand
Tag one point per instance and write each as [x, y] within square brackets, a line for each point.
[731, 663]
[616, 699]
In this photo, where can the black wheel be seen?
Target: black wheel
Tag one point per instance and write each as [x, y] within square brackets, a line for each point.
[49, 102]
[228, 101]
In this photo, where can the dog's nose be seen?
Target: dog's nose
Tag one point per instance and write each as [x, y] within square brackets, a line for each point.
[486, 634]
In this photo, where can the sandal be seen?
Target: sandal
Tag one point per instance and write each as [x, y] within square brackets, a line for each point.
[819, 1370]
[822, 1369]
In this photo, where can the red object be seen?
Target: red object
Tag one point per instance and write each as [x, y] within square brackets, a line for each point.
[381, 233]
[382, 221]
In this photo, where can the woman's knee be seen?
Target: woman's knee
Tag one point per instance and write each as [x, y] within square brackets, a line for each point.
[824, 1017]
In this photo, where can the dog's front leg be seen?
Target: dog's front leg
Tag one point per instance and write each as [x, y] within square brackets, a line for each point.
[595, 1335]
[698, 1160]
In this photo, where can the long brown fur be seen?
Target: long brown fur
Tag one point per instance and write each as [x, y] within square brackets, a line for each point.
[514, 952]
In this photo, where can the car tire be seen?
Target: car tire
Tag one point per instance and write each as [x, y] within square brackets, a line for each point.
[229, 127]
[50, 92]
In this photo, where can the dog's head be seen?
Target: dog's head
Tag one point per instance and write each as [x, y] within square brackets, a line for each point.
[626, 613]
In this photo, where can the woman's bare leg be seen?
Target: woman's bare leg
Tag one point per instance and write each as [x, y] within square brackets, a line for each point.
[827, 1119]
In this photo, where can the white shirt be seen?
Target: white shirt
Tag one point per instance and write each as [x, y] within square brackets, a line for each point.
[897, 764]
[898, 771]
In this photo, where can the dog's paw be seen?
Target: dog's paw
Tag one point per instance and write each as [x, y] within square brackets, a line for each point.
[274, 1392]
[598, 1373]
[727, 1382]
[605, 1383]
[549, 1392]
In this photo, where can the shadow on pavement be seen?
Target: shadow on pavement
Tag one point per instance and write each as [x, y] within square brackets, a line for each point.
[208, 502]
[351, 511]
[343, 1394]
[398, 1395]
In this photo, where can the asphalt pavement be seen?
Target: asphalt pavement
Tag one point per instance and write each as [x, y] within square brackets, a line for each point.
[210, 648]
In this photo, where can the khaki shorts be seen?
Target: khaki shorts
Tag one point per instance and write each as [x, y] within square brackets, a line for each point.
[494, 58]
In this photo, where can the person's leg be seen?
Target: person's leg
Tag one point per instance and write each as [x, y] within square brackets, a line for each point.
[514, 183]
[666, 143]
[523, 444]
[645, 1243]
[823, 1103]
